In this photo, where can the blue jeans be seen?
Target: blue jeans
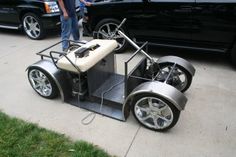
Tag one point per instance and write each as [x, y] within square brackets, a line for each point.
[69, 26]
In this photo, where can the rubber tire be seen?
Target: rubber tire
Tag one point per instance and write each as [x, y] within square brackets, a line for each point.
[42, 30]
[233, 55]
[188, 75]
[55, 92]
[117, 22]
[176, 112]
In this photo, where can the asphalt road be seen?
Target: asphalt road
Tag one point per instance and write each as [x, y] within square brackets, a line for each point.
[207, 126]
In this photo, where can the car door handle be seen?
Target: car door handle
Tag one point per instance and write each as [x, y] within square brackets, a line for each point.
[184, 9]
[197, 8]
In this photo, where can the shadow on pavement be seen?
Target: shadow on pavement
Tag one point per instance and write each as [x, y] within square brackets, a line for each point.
[11, 32]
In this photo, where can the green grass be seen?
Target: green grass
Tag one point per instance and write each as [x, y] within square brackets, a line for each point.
[21, 139]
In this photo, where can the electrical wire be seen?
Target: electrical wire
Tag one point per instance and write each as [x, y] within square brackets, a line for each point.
[93, 114]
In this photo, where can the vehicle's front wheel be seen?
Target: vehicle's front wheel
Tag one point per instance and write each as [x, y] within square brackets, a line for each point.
[105, 29]
[42, 83]
[155, 112]
[33, 26]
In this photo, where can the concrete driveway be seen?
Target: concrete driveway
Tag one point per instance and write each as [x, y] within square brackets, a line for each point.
[207, 127]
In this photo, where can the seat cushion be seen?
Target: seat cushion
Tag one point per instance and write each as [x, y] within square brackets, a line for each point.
[88, 61]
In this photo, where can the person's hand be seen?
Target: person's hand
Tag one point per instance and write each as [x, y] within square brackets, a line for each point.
[65, 15]
[88, 4]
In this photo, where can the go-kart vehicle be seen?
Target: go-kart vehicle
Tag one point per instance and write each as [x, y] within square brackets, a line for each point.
[86, 77]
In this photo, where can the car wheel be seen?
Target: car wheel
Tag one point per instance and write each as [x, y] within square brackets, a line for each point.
[42, 83]
[180, 78]
[233, 58]
[105, 29]
[154, 112]
[233, 55]
[32, 26]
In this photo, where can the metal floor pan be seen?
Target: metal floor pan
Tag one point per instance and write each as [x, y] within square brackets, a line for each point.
[106, 110]
[112, 104]
[114, 96]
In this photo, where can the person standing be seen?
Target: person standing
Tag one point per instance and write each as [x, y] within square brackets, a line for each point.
[83, 17]
[83, 5]
[69, 22]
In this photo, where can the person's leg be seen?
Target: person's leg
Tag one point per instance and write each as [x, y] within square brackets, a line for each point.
[81, 13]
[65, 32]
[80, 24]
[75, 28]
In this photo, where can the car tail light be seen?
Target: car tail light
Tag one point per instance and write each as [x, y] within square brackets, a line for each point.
[51, 7]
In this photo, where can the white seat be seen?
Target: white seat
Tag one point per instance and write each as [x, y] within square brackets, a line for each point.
[93, 57]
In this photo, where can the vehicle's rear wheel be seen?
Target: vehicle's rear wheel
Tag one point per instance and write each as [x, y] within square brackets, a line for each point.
[42, 83]
[180, 78]
[154, 112]
[105, 29]
[33, 26]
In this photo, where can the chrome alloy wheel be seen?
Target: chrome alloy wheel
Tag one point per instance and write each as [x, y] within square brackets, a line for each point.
[178, 78]
[31, 26]
[153, 113]
[107, 30]
[40, 82]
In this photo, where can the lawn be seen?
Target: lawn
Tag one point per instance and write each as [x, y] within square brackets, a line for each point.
[21, 139]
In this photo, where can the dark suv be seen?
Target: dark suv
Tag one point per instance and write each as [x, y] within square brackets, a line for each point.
[34, 16]
[208, 25]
